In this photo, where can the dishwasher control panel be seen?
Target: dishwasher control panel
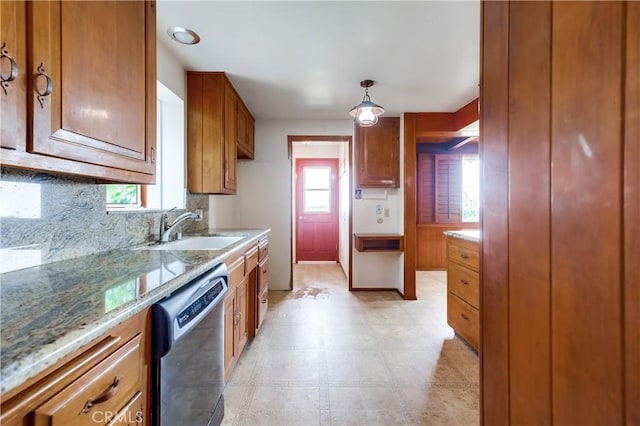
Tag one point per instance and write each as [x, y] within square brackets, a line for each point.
[192, 311]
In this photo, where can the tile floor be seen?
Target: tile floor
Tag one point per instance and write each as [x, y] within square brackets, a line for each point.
[326, 356]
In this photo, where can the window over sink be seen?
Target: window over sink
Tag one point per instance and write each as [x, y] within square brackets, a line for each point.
[169, 191]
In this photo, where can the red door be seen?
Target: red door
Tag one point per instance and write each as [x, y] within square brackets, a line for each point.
[317, 209]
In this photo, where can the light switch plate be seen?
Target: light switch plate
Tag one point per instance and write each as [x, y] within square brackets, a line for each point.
[378, 208]
[199, 212]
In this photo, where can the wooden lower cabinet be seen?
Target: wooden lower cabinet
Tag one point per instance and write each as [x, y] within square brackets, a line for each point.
[246, 301]
[105, 383]
[463, 289]
[239, 306]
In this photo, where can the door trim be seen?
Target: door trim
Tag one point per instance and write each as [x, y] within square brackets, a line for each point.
[319, 138]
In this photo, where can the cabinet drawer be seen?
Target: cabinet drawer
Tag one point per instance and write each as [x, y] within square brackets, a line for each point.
[263, 276]
[464, 252]
[263, 304]
[464, 319]
[250, 260]
[104, 389]
[263, 250]
[464, 283]
[131, 414]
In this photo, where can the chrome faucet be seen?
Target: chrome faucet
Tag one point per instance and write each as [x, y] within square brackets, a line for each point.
[166, 229]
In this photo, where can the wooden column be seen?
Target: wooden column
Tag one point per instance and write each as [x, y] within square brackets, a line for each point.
[494, 245]
[560, 269]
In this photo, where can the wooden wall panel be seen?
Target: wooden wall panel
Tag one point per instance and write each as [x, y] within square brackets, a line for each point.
[632, 215]
[529, 213]
[568, 123]
[585, 214]
[494, 268]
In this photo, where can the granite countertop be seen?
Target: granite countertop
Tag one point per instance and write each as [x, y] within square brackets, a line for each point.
[472, 235]
[50, 311]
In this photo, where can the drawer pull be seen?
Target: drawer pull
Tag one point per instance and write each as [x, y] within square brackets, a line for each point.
[103, 397]
[42, 94]
[465, 282]
[466, 317]
[264, 301]
[264, 271]
[464, 255]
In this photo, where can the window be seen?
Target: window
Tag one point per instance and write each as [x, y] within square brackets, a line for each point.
[169, 190]
[317, 182]
[470, 188]
[448, 188]
[124, 195]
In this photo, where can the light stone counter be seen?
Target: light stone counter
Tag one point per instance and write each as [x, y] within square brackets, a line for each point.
[472, 235]
[52, 310]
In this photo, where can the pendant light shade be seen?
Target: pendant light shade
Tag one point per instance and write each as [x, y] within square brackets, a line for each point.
[366, 113]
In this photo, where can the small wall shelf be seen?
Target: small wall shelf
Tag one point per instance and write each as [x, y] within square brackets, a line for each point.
[379, 242]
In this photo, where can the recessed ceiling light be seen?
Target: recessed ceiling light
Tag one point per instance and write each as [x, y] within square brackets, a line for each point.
[183, 35]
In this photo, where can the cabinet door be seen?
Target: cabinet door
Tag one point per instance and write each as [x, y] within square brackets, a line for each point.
[13, 106]
[243, 314]
[231, 116]
[229, 331]
[93, 68]
[263, 304]
[251, 135]
[378, 154]
[242, 127]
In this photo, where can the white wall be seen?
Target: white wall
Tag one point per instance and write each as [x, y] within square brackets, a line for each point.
[170, 71]
[264, 187]
[264, 201]
[380, 270]
[221, 211]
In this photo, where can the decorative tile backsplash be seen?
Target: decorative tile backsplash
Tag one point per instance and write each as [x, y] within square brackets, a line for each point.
[45, 218]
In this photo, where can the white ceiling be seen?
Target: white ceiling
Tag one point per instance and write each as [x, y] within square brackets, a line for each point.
[306, 59]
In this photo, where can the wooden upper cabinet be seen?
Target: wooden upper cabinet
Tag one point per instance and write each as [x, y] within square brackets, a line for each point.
[89, 89]
[378, 154]
[212, 114]
[13, 93]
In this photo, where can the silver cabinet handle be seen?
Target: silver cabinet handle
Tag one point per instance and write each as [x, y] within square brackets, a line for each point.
[48, 89]
[13, 71]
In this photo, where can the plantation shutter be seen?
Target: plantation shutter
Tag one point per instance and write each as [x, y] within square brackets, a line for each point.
[426, 191]
[448, 189]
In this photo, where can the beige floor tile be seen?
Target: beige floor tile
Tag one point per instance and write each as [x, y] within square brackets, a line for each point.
[267, 398]
[332, 357]
[367, 417]
[282, 417]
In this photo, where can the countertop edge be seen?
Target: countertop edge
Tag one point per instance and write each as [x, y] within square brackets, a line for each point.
[463, 236]
[28, 367]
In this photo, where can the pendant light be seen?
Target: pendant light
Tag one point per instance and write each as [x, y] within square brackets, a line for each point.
[366, 113]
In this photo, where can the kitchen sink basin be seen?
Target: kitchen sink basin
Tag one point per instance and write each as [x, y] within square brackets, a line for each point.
[215, 242]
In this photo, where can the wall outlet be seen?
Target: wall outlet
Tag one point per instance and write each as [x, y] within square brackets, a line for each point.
[378, 208]
[199, 212]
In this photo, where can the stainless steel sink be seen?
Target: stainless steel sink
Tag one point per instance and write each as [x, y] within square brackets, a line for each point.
[215, 242]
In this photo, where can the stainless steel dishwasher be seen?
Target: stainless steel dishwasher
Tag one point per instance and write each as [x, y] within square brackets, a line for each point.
[187, 359]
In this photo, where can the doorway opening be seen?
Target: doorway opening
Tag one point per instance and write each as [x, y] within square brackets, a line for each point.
[316, 213]
[321, 205]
